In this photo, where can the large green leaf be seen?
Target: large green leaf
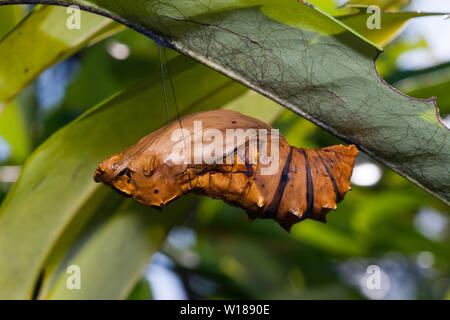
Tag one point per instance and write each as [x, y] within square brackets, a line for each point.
[310, 63]
[61, 196]
[43, 40]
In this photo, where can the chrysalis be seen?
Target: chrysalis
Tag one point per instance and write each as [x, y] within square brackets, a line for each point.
[242, 160]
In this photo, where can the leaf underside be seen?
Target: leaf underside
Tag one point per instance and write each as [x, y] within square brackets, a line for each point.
[30, 41]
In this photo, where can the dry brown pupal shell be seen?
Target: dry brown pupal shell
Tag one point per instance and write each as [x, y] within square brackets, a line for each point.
[261, 174]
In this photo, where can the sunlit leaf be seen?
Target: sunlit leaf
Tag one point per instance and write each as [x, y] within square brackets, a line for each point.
[390, 24]
[13, 129]
[241, 259]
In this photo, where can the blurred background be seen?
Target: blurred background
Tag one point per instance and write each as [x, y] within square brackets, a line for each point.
[217, 253]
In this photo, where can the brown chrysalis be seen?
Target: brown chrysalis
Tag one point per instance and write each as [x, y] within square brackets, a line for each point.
[260, 173]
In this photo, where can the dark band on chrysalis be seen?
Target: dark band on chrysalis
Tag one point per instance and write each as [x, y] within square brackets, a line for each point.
[309, 187]
[333, 181]
[272, 209]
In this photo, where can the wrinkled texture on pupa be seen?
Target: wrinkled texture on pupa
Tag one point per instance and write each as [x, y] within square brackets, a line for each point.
[307, 184]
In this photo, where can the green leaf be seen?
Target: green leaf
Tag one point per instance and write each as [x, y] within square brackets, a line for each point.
[57, 183]
[383, 4]
[391, 24]
[114, 256]
[43, 40]
[308, 62]
[142, 291]
[101, 75]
